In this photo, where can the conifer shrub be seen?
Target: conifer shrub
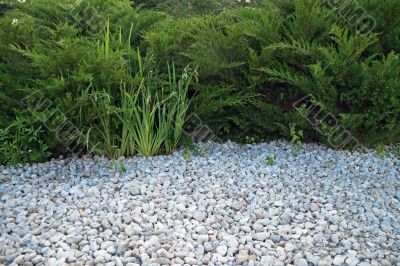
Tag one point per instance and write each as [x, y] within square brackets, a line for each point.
[255, 62]
[68, 68]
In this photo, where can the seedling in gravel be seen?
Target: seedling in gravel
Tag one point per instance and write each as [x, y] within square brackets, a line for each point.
[381, 151]
[332, 163]
[296, 139]
[249, 139]
[270, 160]
[396, 152]
[197, 150]
[186, 155]
[120, 167]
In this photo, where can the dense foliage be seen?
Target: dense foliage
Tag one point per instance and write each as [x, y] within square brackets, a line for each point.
[107, 76]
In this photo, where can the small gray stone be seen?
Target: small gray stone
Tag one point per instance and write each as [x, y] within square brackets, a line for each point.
[300, 262]
[242, 257]
[352, 261]
[314, 207]
[325, 261]
[261, 236]
[10, 254]
[267, 260]
[290, 247]
[274, 212]
[134, 191]
[164, 253]
[133, 229]
[222, 250]
[339, 260]
[122, 248]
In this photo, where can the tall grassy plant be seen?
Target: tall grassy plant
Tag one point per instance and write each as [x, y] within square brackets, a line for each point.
[178, 104]
[153, 117]
[147, 113]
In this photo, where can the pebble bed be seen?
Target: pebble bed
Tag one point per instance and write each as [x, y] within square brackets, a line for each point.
[224, 205]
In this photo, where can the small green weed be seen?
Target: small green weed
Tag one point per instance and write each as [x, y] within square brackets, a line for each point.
[193, 147]
[197, 150]
[22, 143]
[120, 167]
[296, 137]
[381, 151]
[249, 139]
[186, 155]
[396, 151]
[270, 160]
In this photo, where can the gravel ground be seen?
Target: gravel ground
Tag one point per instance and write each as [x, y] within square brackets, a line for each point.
[224, 206]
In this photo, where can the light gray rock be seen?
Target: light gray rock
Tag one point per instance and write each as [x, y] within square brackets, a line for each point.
[164, 253]
[222, 250]
[300, 262]
[224, 208]
[106, 244]
[325, 261]
[314, 207]
[152, 242]
[352, 261]
[56, 237]
[10, 254]
[274, 211]
[122, 247]
[339, 260]
[73, 239]
[261, 236]
[134, 191]
[267, 260]
[242, 257]
[290, 247]
[133, 229]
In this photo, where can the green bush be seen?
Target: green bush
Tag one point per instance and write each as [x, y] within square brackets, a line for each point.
[53, 64]
[187, 8]
[254, 63]
[146, 115]
[71, 76]
[21, 142]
